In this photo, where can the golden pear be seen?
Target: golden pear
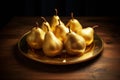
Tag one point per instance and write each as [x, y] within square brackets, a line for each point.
[74, 43]
[52, 46]
[61, 31]
[74, 24]
[54, 21]
[35, 38]
[88, 34]
[43, 27]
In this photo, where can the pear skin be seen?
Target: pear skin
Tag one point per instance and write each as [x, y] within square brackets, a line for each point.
[52, 46]
[88, 35]
[61, 31]
[43, 27]
[74, 44]
[35, 38]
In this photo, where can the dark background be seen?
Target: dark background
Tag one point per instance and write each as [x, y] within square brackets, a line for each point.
[9, 8]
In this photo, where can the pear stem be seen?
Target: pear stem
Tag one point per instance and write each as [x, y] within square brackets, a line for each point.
[56, 12]
[37, 24]
[44, 19]
[47, 27]
[95, 26]
[59, 21]
[72, 15]
[69, 29]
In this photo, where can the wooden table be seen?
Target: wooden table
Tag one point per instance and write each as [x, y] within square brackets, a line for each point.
[14, 66]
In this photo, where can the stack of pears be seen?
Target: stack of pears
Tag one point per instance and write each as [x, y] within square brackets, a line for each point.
[55, 37]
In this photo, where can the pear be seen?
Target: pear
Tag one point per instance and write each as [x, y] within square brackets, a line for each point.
[74, 43]
[35, 37]
[52, 46]
[54, 21]
[88, 34]
[74, 24]
[43, 27]
[61, 31]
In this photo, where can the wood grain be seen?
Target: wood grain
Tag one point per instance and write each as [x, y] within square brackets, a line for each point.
[14, 66]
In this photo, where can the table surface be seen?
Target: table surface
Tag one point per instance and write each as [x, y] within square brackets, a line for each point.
[14, 66]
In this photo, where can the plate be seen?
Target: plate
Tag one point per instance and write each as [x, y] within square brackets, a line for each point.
[37, 55]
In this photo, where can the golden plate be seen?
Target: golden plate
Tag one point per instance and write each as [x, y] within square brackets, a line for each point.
[92, 51]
